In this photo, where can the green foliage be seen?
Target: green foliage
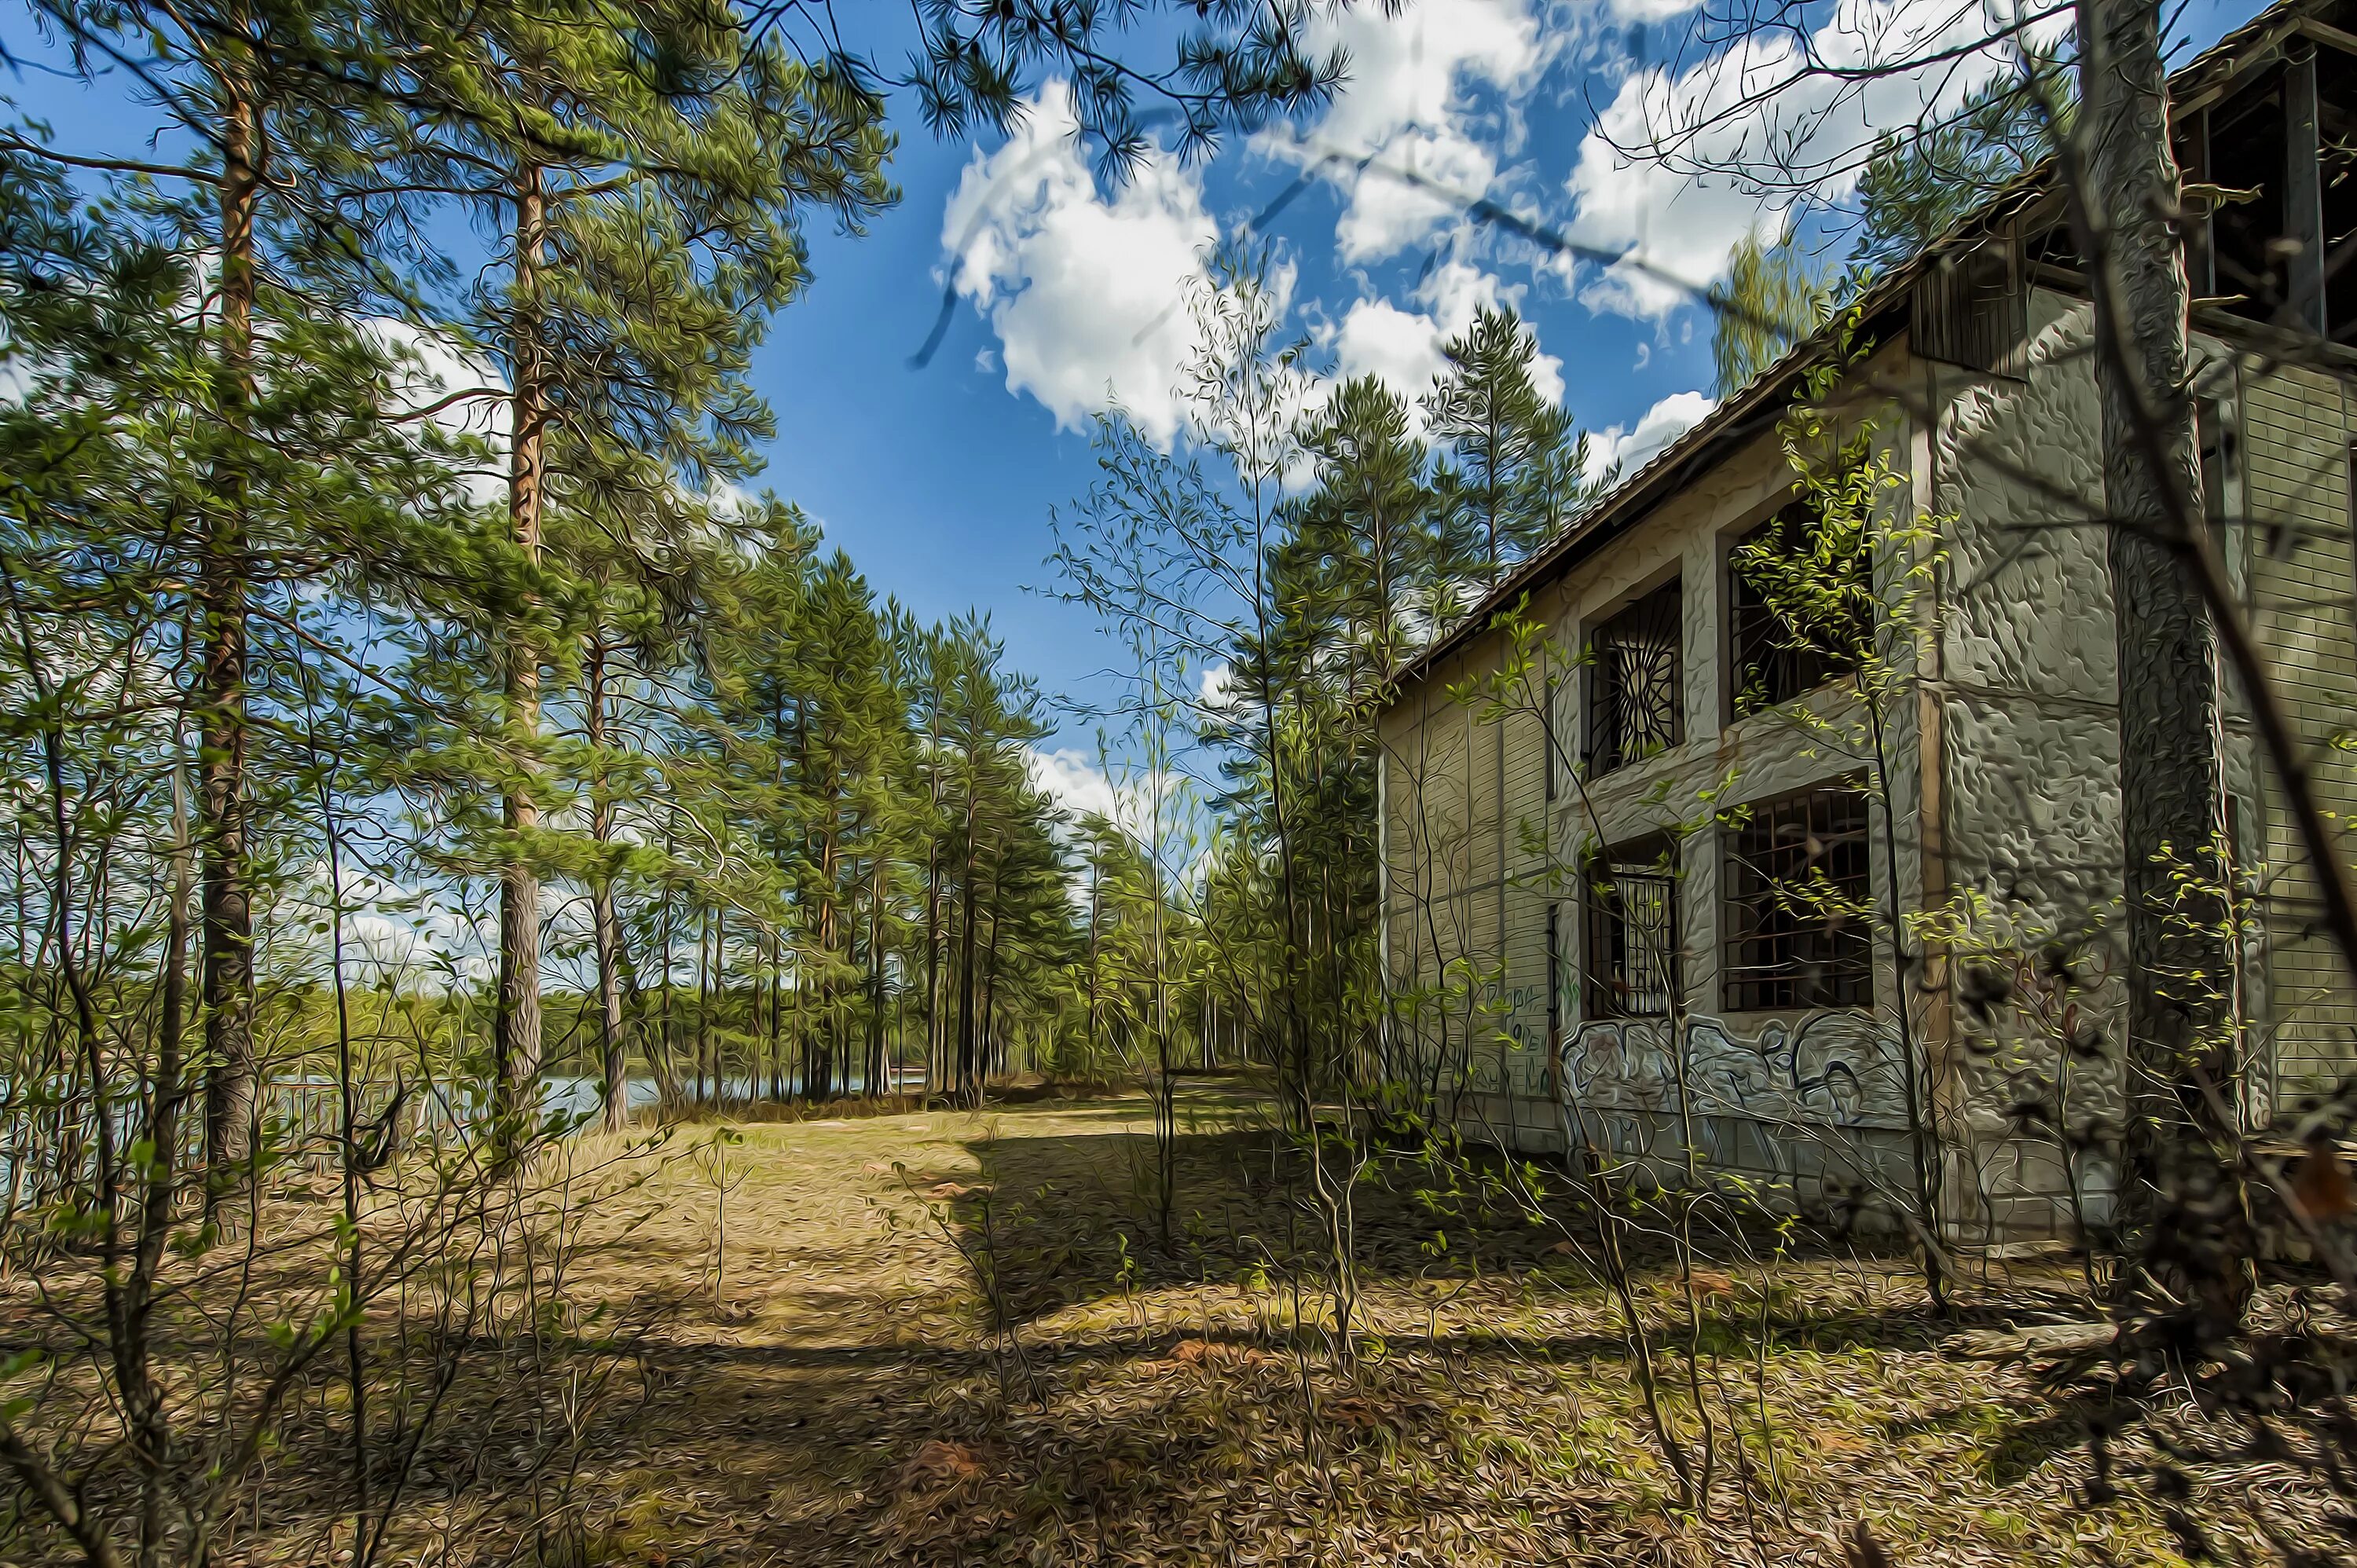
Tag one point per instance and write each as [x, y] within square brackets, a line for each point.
[1915, 189]
[1514, 467]
[1773, 297]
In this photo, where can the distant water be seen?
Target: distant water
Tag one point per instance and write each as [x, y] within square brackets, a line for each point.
[581, 1095]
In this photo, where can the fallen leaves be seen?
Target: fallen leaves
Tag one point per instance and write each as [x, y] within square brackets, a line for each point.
[939, 1464]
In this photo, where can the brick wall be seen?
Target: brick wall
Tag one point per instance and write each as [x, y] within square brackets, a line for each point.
[2302, 578]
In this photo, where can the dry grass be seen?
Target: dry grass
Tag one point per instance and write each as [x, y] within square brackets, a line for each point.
[952, 1339]
[845, 1398]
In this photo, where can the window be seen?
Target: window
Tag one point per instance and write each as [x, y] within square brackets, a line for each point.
[1633, 691]
[1970, 310]
[1796, 886]
[1775, 662]
[1554, 974]
[1632, 931]
[1547, 735]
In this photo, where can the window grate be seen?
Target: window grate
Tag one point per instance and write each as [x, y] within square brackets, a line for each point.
[1774, 663]
[1554, 974]
[1634, 694]
[1797, 886]
[1632, 931]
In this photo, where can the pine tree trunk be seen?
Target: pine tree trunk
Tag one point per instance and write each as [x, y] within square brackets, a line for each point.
[992, 1050]
[516, 1047]
[873, 1078]
[706, 1081]
[934, 1034]
[664, 1060]
[607, 930]
[969, 1087]
[226, 917]
[2178, 1198]
[830, 934]
[776, 1015]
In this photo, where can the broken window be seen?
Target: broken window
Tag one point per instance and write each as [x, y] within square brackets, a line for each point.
[1776, 662]
[1634, 694]
[2250, 248]
[1631, 918]
[2282, 153]
[1795, 890]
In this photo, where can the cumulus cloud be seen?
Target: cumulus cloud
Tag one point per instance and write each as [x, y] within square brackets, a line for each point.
[1085, 292]
[1073, 781]
[1650, 10]
[1794, 117]
[410, 937]
[1408, 103]
[1633, 447]
[1215, 690]
[1127, 798]
[1402, 347]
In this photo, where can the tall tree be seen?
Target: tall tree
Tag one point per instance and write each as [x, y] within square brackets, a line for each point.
[648, 183]
[1508, 452]
[2179, 1193]
[1774, 297]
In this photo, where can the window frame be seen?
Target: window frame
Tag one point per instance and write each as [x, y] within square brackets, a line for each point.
[1755, 629]
[1607, 983]
[1605, 746]
[1753, 913]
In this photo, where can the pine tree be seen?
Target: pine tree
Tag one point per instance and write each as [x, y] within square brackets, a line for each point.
[1502, 483]
[648, 182]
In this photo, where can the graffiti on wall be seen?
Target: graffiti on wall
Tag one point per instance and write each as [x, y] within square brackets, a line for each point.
[1836, 1068]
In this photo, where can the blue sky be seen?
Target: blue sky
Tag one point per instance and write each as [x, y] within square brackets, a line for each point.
[940, 480]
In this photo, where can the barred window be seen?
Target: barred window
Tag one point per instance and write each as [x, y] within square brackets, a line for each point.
[1634, 695]
[1776, 662]
[1554, 974]
[1631, 918]
[1796, 882]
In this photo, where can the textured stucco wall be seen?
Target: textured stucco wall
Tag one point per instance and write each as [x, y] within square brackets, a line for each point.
[2031, 742]
[1763, 1091]
[2029, 734]
[2017, 848]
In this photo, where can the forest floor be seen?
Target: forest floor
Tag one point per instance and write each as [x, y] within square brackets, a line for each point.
[819, 1376]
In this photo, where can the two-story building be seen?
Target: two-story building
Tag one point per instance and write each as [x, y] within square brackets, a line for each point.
[1588, 866]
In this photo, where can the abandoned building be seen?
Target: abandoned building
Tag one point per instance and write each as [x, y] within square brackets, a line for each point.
[1590, 828]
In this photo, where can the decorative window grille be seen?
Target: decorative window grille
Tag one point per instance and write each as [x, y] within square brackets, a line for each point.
[1632, 931]
[1775, 662]
[1634, 694]
[1797, 883]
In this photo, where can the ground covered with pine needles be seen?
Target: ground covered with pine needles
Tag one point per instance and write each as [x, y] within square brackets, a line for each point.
[949, 1337]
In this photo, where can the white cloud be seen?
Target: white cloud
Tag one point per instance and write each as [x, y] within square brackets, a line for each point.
[1216, 692]
[468, 396]
[1402, 347]
[1073, 781]
[1662, 424]
[409, 937]
[1128, 799]
[1385, 216]
[1085, 294]
[1775, 123]
[1406, 104]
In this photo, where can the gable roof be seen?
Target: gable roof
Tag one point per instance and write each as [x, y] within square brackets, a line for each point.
[1760, 403]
